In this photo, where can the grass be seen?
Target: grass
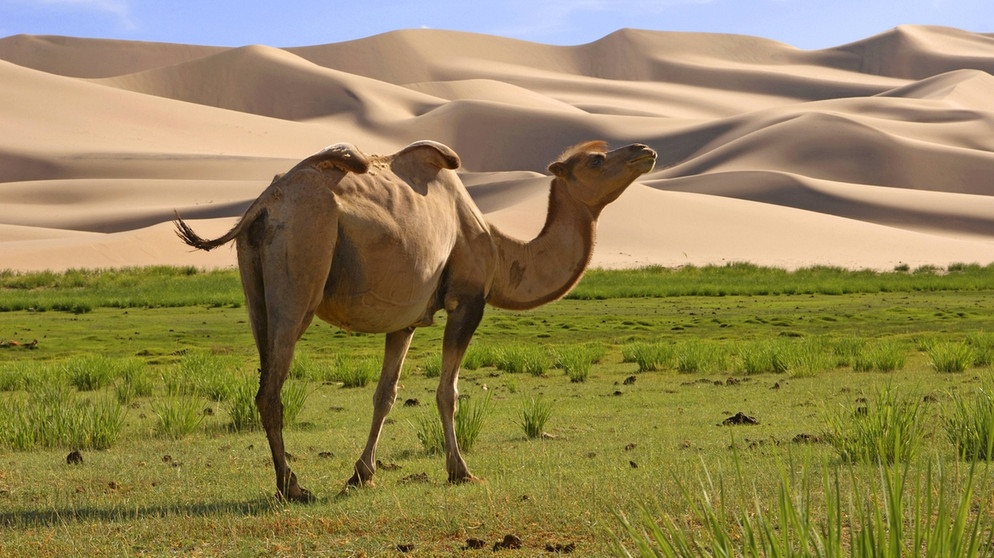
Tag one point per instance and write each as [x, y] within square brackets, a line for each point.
[744, 279]
[534, 416]
[432, 367]
[970, 425]
[207, 374]
[54, 417]
[80, 291]
[815, 347]
[577, 360]
[886, 427]
[883, 357]
[241, 405]
[178, 416]
[904, 511]
[242, 410]
[90, 373]
[521, 359]
[650, 356]
[951, 357]
[701, 356]
[133, 381]
[470, 417]
[355, 372]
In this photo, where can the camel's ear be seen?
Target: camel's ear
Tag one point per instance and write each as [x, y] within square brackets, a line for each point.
[342, 156]
[434, 153]
[559, 169]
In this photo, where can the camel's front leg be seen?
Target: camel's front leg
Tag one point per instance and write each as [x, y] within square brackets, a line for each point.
[397, 345]
[464, 315]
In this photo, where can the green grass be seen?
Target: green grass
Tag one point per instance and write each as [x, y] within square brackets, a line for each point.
[951, 357]
[241, 405]
[432, 367]
[55, 417]
[90, 373]
[471, 414]
[650, 356]
[82, 290]
[633, 440]
[903, 512]
[970, 424]
[701, 356]
[886, 427]
[577, 360]
[178, 416]
[524, 358]
[534, 416]
[743, 279]
[356, 372]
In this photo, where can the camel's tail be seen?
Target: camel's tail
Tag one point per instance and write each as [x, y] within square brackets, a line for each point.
[193, 239]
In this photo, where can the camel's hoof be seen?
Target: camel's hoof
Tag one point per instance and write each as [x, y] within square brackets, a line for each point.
[468, 478]
[299, 496]
[350, 487]
[358, 482]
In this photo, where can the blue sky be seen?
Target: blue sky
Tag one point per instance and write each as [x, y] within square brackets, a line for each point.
[808, 24]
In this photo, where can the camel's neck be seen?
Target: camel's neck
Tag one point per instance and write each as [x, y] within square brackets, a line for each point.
[546, 268]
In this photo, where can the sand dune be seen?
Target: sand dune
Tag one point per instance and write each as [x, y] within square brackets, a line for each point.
[871, 154]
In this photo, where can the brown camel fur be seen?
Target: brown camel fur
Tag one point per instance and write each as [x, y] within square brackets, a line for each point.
[380, 244]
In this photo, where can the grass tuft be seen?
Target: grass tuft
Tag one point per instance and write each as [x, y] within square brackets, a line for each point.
[179, 416]
[970, 425]
[577, 360]
[534, 417]
[526, 358]
[886, 428]
[950, 357]
[649, 356]
[701, 357]
[54, 417]
[90, 373]
[905, 512]
[469, 420]
[356, 372]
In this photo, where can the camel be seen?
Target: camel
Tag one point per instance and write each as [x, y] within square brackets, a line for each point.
[380, 244]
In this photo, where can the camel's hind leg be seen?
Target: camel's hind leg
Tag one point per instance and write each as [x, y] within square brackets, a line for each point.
[284, 283]
[397, 345]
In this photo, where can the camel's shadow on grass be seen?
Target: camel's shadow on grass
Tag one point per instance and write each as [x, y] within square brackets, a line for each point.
[30, 518]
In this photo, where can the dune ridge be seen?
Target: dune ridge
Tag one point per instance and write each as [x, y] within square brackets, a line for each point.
[872, 154]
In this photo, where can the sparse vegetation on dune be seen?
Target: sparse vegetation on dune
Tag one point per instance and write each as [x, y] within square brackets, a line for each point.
[656, 425]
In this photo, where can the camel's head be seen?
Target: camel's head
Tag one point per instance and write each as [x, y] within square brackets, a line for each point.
[596, 176]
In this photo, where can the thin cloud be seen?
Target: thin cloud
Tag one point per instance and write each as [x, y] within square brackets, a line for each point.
[560, 17]
[119, 9]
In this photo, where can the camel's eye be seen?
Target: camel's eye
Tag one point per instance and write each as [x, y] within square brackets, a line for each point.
[596, 161]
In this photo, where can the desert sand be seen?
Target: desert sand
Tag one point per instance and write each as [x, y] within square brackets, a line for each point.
[873, 154]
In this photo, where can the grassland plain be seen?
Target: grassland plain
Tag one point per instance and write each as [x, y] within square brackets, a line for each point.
[620, 442]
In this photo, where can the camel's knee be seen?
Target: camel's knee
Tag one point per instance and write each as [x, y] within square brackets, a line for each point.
[270, 408]
[445, 398]
[385, 398]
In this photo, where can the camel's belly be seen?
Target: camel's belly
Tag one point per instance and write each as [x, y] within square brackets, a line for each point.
[388, 262]
[368, 313]
[392, 295]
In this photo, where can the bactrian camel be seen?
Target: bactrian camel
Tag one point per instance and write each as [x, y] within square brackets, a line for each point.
[380, 244]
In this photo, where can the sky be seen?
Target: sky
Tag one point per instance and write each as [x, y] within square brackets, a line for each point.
[806, 24]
